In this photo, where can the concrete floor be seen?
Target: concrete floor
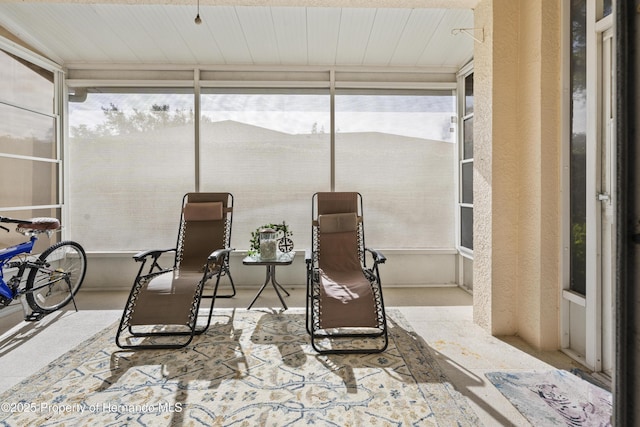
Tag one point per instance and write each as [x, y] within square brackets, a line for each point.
[442, 316]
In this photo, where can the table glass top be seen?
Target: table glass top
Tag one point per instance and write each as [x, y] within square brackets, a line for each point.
[281, 258]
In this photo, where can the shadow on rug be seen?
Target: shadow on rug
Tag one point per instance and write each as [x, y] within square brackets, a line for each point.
[249, 369]
[555, 397]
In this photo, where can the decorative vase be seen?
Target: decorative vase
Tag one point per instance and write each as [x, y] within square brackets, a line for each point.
[268, 243]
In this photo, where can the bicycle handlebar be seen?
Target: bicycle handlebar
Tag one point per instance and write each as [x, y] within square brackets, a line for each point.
[15, 220]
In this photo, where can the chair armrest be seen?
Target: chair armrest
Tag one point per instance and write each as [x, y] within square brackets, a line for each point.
[155, 253]
[378, 257]
[220, 254]
[154, 268]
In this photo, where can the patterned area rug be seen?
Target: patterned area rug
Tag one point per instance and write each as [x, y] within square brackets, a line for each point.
[250, 369]
[555, 398]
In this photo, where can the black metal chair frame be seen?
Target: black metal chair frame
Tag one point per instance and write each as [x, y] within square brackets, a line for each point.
[152, 257]
[313, 292]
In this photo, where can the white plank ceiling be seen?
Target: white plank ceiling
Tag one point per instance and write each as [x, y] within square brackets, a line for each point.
[91, 33]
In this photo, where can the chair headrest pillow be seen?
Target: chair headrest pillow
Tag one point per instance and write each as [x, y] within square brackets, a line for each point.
[338, 223]
[203, 211]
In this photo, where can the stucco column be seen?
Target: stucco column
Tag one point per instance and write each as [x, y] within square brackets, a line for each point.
[539, 136]
[516, 169]
[495, 179]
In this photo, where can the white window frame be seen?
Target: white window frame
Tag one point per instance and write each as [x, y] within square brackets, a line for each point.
[56, 114]
[462, 75]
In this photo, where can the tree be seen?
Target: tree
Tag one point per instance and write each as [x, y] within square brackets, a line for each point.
[117, 122]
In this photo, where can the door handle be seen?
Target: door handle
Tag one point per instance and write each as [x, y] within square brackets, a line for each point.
[603, 197]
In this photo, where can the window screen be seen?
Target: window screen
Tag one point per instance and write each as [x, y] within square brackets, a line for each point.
[397, 148]
[271, 149]
[132, 157]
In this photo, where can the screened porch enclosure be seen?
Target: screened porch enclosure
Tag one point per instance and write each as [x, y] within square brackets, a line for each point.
[136, 151]
[347, 99]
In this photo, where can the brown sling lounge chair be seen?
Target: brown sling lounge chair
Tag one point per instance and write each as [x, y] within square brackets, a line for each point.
[344, 296]
[162, 309]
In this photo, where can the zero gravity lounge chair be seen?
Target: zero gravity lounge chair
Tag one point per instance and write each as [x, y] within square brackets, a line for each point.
[162, 309]
[344, 297]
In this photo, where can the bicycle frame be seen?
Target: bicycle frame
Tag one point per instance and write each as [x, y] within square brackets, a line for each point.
[44, 290]
[7, 254]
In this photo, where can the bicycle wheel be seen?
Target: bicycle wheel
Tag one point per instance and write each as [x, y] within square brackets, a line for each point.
[52, 284]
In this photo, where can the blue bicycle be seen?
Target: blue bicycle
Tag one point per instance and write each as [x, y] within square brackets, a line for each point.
[52, 279]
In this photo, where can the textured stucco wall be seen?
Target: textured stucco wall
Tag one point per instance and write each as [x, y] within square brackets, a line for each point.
[539, 133]
[516, 176]
[551, 196]
[495, 167]
[483, 99]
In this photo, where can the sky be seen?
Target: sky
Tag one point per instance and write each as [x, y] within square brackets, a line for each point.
[426, 117]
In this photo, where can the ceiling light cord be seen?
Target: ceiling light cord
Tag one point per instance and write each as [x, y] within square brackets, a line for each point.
[198, 21]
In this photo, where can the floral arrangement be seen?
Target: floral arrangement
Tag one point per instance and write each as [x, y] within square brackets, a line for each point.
[254, 243]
